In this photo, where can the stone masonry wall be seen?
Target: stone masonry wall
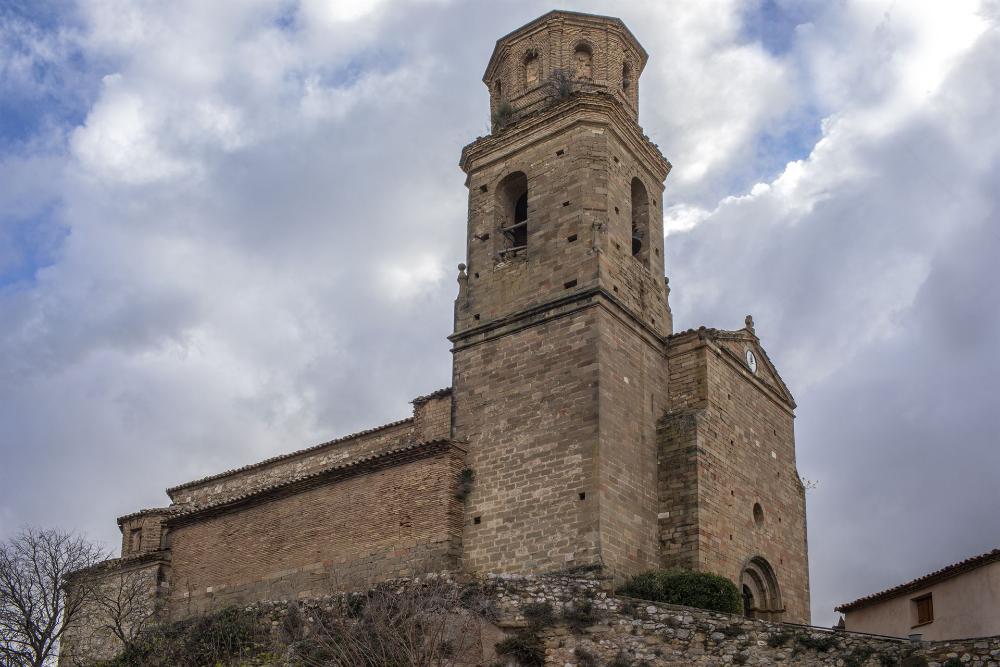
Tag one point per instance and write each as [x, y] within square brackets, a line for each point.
[638, 633]
[726, 444]
[554, 40]
[632, 396]
[395, 521]
[526, 403]
[747, 457]
[126, 591]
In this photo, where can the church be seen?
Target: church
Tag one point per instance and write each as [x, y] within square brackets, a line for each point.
[580, 432]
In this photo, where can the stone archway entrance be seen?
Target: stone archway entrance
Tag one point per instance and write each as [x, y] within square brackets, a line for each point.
[759, 586]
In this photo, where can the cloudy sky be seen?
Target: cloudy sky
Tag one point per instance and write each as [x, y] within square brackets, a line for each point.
[230, 229]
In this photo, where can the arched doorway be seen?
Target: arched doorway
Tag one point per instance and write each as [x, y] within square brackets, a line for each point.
[759, 586]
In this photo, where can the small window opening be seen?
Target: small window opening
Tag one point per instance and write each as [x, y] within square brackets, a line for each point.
[570, 284]
[476, 316]
[565, 203]
[560, 152]
[135, 539]
[499, 89]
[532, 69]
[758, 514]
[484, 188]
[626, 77]
[476, 274]
[571, 238]
[583, 495]
[583, 60]
[924, 607]
[477, 520]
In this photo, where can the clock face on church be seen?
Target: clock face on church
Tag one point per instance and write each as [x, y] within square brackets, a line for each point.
[752, 361]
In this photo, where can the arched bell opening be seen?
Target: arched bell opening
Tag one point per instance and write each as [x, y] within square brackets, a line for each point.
[512, 214]
[640, 221]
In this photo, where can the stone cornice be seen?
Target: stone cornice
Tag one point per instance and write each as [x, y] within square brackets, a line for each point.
[554, 309]
[290, 455]
[581, 107]
[707, 337]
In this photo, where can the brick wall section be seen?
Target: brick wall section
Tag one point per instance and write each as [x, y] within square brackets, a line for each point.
[554, 38]
[432, 417]
[352, 530]
[149, 524]
[726, 444]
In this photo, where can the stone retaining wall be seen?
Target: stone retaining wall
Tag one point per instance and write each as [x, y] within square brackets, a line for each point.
[639, 633]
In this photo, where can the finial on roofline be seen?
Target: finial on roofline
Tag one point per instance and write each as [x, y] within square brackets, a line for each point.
[749, 324]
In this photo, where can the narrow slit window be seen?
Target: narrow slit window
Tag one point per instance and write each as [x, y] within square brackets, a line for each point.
[640, 221]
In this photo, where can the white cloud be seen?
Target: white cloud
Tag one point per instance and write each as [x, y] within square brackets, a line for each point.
[264, 215]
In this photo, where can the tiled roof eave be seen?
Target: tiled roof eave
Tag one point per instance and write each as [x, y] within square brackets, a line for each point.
[290, 455]
[919, 583]
[336, 472]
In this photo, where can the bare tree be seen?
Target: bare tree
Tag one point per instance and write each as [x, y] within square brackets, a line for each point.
[418, 624]
[124, 603]
[36, 604]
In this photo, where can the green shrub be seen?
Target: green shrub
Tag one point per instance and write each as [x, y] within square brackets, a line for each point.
[503, 115]
[585, 658]
[207, 640]
[581, 614]
[526, 648]
[858, 657]
[778, 638]
[539, 614]
[465, 479]
[692, 589]
[821, 644]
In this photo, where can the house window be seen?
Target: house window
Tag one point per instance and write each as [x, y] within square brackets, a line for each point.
[924, 607]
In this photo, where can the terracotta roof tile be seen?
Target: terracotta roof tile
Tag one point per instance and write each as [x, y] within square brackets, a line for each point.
[922, 582]
[282, 457]
[360, 462]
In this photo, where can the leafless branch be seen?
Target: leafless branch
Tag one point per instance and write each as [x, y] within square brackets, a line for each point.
[36, 604]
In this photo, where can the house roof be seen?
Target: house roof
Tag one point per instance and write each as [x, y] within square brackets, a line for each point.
[919, 583]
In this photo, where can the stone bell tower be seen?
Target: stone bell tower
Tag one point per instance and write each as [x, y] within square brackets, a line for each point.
[560, 371]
